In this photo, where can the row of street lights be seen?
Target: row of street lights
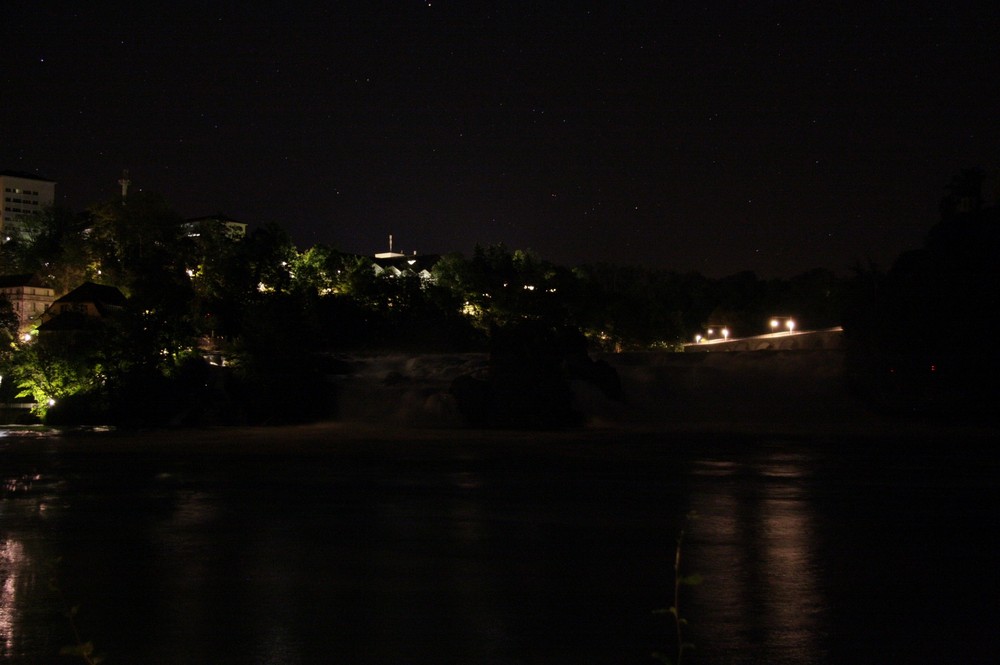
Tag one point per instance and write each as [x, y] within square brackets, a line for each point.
[782, 322]
[708, 333]
[777, 322]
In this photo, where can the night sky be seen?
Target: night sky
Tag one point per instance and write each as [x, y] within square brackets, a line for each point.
[717, 137]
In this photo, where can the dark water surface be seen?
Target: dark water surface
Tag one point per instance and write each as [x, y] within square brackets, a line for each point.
[315, 545]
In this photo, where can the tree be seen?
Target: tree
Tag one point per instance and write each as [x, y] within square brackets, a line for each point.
[321, 269]
[274, 360]
[632, 307]
[8, 323]
[912, 334]
[131, 240]
[498, 286]
[8, 340]
[48, 373]
[268, 255]
[54, 247]
[964, 195]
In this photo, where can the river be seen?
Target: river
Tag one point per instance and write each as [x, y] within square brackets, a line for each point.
[328, 544]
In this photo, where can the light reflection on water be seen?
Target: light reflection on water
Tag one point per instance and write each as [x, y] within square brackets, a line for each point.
[498, 552]
[13, 565]
[182, 541]
[26, 567]
[753, 541]
[472, 576]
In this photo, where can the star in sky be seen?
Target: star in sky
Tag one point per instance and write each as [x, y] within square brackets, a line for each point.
[709, 138]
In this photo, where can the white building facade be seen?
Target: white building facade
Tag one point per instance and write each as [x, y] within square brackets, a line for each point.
[24, 196]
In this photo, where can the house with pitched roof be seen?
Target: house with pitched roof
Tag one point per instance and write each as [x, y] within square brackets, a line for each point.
[232, 228]
[404, 265]
[83, 308]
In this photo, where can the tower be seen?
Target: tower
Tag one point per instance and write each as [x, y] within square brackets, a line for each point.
[124, 182]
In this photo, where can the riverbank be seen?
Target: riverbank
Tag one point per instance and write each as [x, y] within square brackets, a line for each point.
[798, 392]
[791, 393]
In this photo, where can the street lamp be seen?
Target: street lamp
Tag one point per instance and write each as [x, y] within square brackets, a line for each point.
[778, 322]
[725, 333]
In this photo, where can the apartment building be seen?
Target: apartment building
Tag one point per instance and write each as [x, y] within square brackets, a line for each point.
[24, 195]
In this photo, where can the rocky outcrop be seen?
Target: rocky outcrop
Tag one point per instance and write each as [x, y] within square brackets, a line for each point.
[520, 386]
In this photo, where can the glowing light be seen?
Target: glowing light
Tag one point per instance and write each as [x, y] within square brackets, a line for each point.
[778, 322]
[725, 333]
[15, 563]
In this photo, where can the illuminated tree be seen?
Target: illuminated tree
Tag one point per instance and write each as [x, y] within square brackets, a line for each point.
[322, 270]
[49, 373]
[228, 276]
[497, 286]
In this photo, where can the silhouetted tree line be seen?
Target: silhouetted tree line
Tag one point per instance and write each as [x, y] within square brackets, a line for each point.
[920, 336]
[278, 315]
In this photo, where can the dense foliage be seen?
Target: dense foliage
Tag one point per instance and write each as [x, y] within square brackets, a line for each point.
[919, 335]
[275, 313]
